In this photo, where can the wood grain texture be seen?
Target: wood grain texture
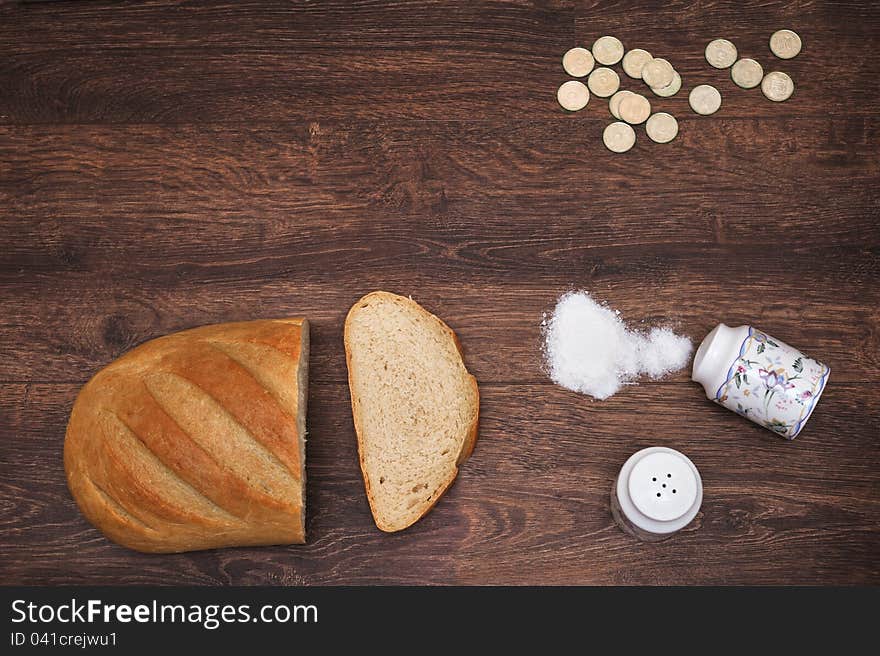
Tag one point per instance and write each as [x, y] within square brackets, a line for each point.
[69, 339]
[185, 62]
[169, 164]
[534, 492]
[531, 176]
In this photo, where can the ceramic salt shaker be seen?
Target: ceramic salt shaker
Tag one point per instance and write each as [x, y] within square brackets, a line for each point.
[657, 493]
[760, 377]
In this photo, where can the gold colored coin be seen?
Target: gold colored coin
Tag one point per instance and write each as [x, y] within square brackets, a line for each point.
[785, 44]
[662, 127]
[608, 50]
[634, 61]
[747, 73]
[619, 137]
[777, 86]
[634, 108]
[578, 62]
[721, 53]
[670, 90]
[603, 82]
[573, 95]
[705, 99]
[614, 103]
[658, 73]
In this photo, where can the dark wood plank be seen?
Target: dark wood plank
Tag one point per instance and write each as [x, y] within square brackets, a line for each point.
[97, 62]
[309, 61]
[66, 330]
[305, 221]
[535, 491]
[299, 26]
[517, 179]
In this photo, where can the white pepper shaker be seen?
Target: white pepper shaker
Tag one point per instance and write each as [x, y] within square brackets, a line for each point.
[760, 377]
[657, 493]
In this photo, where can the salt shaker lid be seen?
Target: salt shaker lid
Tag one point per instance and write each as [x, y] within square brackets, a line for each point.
[659, 490]
[714, 354]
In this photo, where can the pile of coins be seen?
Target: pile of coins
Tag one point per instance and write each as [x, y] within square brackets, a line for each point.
[748, 73]
[630, 108]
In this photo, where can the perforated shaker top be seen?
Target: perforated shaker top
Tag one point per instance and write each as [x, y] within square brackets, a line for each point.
[659, 490]
[662, 486]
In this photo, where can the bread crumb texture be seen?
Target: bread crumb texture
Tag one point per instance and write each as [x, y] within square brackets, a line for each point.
[415, 405]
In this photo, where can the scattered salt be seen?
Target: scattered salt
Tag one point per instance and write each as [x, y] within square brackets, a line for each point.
[589, 349]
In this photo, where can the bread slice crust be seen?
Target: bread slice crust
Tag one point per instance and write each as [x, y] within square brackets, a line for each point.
[470, 433]
[195, 440]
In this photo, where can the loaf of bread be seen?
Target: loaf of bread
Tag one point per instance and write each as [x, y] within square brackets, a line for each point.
[415, 406]
[196, 440]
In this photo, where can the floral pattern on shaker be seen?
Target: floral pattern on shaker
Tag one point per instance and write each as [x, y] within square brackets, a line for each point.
[772, 384]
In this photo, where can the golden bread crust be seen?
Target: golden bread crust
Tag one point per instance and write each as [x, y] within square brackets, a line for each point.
[191, 441]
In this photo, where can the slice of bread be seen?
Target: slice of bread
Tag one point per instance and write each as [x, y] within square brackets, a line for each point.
[415, 406]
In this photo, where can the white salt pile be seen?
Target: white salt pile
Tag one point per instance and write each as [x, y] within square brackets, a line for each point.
[589, 349]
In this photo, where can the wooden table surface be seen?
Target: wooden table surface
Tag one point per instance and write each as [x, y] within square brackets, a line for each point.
[170, 164]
